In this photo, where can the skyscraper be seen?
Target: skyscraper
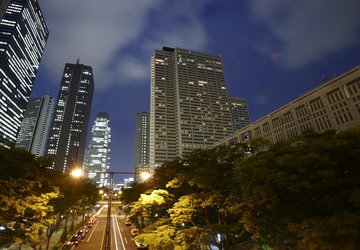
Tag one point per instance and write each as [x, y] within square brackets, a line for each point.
[70, 122]
[99, 149]
[189, 105]
[239, 112]
[23, 35]
[142, 144]
[35, 125]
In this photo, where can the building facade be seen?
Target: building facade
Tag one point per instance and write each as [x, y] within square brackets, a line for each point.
[70, 121]
[23, 35]
[99, 150]
[239, 112]
[332, 105]
[189, 105]
[35, 125]
[142, 144]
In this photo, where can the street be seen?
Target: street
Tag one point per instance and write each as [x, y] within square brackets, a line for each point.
[120, 233]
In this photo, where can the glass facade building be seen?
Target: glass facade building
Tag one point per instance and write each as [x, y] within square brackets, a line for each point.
[68, 131]
[23, 35]
[97, 160]
[35, 125]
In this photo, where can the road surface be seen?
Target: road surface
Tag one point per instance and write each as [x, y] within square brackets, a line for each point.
[120, 233]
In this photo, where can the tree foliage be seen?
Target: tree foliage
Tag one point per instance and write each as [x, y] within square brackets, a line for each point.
[304, 193]
[301, 194]
[32, 196]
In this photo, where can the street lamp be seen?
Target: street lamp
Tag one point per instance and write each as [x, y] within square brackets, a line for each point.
[77, 172]
[145, 175]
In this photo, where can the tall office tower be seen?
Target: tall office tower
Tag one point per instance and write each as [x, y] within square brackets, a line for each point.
[141, 144]
[189, 105]
[23, 35]
[35, 125]
[239, 112]
[70, 122]
[99, 149]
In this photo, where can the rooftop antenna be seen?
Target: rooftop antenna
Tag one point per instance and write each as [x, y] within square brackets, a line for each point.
[78, 61]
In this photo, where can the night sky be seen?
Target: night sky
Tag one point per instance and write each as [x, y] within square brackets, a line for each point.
[272, 50]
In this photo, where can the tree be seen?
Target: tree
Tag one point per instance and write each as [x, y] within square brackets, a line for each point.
[202, 182]
[305, 193]
[26, 196]
[33, 197]
[159, 235]
[152, 206]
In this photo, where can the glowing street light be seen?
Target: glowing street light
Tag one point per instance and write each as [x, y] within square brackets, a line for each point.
[77, 172]
[145, 175]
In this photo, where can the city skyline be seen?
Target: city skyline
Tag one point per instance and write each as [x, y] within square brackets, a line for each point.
[268, 59]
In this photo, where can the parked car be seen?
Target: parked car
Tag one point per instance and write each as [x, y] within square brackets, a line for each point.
[140, 245]
[127, 222]
[134, 232]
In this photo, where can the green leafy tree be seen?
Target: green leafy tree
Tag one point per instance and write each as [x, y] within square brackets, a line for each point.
[152, 206]
[26, 196]
[304, 194]
[159, 235]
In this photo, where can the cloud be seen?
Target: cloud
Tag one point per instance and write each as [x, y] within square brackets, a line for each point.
[306, 30]
[100, 33]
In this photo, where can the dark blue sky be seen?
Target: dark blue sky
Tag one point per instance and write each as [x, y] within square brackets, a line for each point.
[272, 51]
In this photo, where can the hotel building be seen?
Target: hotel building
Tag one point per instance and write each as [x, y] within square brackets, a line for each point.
[189, 104]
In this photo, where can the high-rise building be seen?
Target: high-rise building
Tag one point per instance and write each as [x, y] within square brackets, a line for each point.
[99, 149]
[142, 144]
[35, 125]
[189, 105]
[239, 112]
[332, 105]
[23, 35]
[70, 121]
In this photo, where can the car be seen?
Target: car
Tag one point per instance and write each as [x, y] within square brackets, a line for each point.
[134, 232]
[81, 233]
[140, 245]
[127, 222]
[75, 240]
